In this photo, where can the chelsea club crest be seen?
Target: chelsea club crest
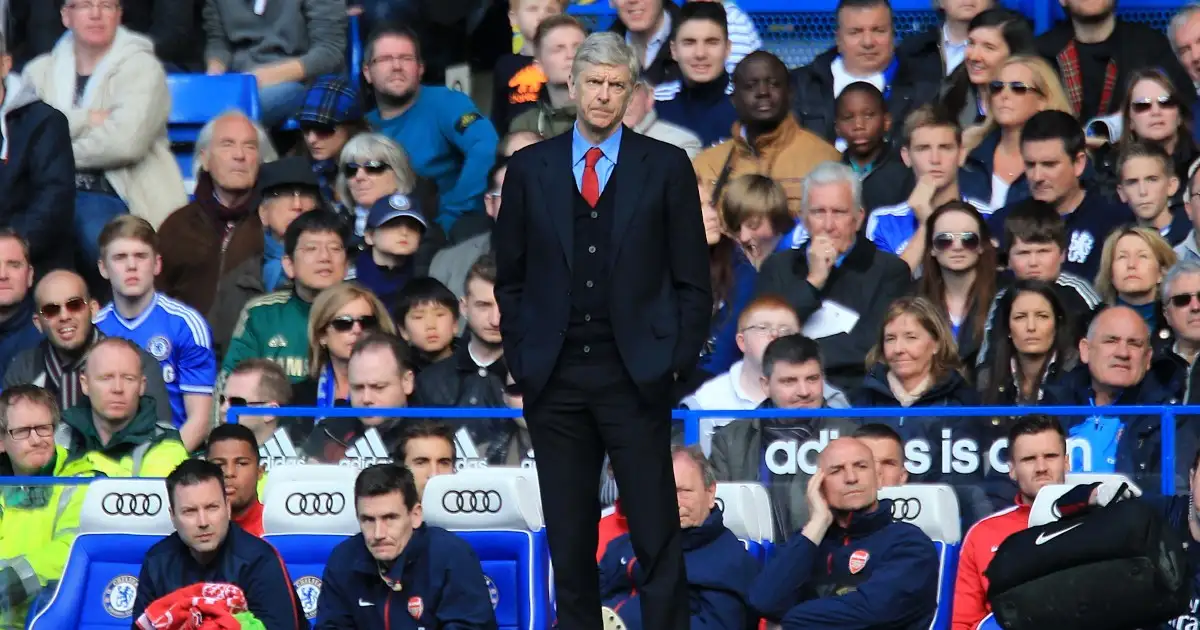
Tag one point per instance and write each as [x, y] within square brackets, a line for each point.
[120, 595]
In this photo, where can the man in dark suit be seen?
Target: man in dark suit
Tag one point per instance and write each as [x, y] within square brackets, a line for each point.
[603, 288]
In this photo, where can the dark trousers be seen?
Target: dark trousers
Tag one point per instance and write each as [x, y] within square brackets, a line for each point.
[591, 405]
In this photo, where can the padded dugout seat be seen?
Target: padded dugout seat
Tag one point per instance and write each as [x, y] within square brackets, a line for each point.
[120, 521]
[933, 508]
[746, 510]
[498, 512]
[305, 519]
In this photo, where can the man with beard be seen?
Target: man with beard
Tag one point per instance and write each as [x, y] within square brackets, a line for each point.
[1095, 53]
[63, 311]
[445, 136]
[852, 566]
[792, 378]
[1037, 457]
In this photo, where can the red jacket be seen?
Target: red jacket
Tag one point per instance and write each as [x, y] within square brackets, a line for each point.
[611, 526]
[252, 519]
[979, 546]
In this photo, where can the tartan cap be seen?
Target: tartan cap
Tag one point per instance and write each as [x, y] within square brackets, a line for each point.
[330, 101]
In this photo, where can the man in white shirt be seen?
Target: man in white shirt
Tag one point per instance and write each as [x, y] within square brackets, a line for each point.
[761, 322]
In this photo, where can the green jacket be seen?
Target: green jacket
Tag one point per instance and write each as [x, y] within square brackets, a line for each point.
[146, 447]
[544, 119]
[275, 327]
[37, 526]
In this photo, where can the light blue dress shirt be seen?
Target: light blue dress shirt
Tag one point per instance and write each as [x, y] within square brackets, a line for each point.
[604, 168]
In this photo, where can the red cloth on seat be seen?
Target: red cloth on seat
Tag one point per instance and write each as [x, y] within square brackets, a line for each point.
[207, 606]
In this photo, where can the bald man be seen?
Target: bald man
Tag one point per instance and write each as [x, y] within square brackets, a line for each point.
[63, 311]
[117, 428]
[1120, 369]
[852, 565]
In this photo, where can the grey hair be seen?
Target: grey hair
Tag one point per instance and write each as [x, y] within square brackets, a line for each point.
[1177, 21]
[827, 173]
[606, 49]
[1182, 268]
[266, 150]
[375, 146]
[693, 452]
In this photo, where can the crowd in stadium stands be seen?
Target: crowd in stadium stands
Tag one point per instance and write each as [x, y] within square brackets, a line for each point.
[973, 215]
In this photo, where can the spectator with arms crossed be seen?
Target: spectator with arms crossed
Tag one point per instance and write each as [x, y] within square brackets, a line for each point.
[207, 548]
[719, 569]
[398, 557]
[852, 566]
[1037, 457]
[171, 331]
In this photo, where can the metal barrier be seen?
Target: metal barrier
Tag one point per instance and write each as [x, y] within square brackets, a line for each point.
[797, 35]
[691, 419]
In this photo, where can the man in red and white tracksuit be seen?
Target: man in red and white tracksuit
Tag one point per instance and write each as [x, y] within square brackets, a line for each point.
[1037, 449]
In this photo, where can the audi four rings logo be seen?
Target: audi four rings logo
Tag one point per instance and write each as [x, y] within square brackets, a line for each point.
[315, 503]
[472, 502]
[130, 504]
[906, 509]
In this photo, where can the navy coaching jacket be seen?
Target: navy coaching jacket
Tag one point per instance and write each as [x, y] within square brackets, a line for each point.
[437, 584]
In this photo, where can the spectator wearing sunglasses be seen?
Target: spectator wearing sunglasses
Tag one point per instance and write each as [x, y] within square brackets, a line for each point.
[261, 383]
[330, 117]
[395, 230]
[63, 311]
[373, 166]
[959, 274]
[1148, 184]
[340, 316]
[932, 147]
[1155, 113]
[286, 189]
[1181, 309]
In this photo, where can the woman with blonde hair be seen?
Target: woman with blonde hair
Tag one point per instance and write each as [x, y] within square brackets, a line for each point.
[1133, 263]
[340, 316]
[915, 363]
[1024, 85]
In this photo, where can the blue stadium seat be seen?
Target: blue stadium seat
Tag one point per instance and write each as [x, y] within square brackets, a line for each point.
[120, 521]
[305, 538]
[498, 511]
[198, 98]
[933, 508]
[354, 70]
[744, 515]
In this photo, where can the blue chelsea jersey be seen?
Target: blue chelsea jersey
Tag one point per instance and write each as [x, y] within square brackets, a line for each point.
[178, 337]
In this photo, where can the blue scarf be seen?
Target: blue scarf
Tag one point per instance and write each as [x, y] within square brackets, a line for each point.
[326, 388]
[272, 262]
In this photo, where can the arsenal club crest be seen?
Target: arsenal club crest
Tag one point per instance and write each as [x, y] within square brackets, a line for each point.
[858, 561]
[416, 607]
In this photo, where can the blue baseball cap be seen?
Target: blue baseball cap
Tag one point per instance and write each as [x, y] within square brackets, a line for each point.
[394, 207]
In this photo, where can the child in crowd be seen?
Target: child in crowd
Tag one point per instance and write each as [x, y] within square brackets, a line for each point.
[394, 229]
[863, 123]
[427, 314]
[1146, 182]
[755, 212]
[555, 42]
[518, 80]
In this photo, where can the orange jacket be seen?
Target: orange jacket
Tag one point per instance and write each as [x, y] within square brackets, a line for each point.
[980, 544]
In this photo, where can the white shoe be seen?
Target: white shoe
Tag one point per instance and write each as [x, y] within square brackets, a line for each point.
[612, 621]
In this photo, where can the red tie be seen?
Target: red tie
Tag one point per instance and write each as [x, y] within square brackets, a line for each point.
[591, 182]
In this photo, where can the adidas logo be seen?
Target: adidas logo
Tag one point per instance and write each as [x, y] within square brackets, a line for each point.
[279, 450]
[367, 450]
[468, 455]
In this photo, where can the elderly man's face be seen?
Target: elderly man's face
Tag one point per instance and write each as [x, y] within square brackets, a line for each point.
[831, 212]
[601, 94]
[1187, 45]
[1184, 317]
[695, 498]
[232, 158]
[1117, 352]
